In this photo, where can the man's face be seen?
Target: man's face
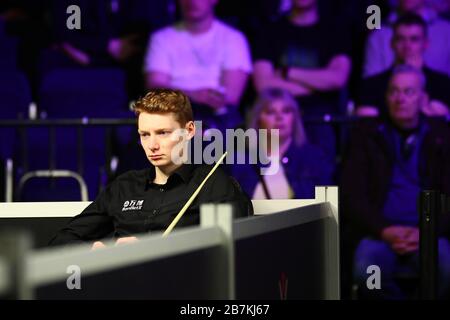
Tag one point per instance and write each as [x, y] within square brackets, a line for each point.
[404, 97]
[159, 135]
[304, 4]
[409, 42]
[197, 10]
[410, 5]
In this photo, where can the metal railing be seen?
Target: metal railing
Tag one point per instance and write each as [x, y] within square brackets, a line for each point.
[340, 122]
[21, 125]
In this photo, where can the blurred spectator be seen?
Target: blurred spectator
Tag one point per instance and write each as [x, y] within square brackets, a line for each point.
[354, 14]
[308, 57]
[24, 35]
[442, 7]
[205, 58]
[109, 28]
[302, 166]
[133, 21]
[409, 43]
[379, 55]
[250, 15]
[113, 33]
[388, 162]
[85, 47]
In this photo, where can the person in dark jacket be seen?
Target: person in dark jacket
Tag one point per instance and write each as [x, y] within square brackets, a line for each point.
[301, 167]
[387, 165]
[148, 200]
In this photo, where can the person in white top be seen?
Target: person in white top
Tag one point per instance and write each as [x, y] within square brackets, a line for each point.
[201, 56]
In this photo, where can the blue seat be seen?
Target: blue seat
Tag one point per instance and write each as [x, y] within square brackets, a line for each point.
[77, 93]
[15, 94]
[8, 53]
[15, 97]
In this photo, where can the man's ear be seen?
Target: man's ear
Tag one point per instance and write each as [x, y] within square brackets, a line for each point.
[190, 127]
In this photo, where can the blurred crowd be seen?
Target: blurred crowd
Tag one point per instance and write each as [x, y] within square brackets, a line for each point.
[265, 64]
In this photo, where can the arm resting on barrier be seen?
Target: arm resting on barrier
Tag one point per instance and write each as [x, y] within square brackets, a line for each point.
[92, 224]
[121, 210]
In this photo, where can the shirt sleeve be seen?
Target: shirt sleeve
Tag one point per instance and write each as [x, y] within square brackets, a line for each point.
[237, 55]
[225, 189]
[157, 58]
[94, 223]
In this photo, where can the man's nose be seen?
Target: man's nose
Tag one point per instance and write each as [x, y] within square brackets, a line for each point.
[408, 45]
[400, 97]
[153, 144]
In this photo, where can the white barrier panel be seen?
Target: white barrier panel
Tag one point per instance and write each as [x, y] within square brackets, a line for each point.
[71, 209]
[42, 209]
[217, 230]
[47, 268]
[306, 238]
[4, 276]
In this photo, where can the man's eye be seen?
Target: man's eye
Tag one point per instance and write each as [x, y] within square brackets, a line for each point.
[394, 92]
[163, 133]
[143, 135]
[410, 92]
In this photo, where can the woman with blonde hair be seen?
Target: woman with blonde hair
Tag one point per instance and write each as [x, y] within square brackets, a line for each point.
[301, 165]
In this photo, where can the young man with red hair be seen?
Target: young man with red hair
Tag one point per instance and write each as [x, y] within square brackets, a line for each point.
[148, 200]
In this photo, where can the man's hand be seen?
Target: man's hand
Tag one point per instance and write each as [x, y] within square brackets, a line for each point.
[394, 234]
[210, 97]
[403, 240]
[435, 108]
[266, 76]
[410, 244]
[122, 48]
[126, 240]
[76, 54]
[366, 111]
[98, 245]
